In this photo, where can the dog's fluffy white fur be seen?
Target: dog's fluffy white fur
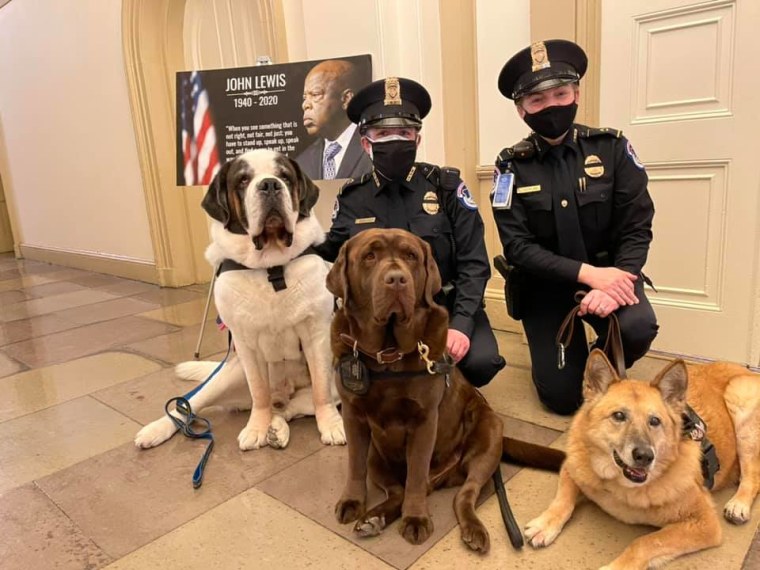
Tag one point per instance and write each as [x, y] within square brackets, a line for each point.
[282, 365]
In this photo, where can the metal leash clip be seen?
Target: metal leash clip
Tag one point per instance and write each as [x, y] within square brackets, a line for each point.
[424, 350]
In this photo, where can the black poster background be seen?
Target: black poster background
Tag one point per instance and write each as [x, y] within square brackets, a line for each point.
[262, 111]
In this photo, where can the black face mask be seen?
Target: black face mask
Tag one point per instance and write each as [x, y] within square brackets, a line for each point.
[394, 159]
[552, 122]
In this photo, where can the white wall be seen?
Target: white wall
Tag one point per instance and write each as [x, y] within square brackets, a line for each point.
[74, 176]
[403, 37]
[503, 30]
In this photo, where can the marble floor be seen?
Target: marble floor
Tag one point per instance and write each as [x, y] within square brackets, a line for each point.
[86, 360]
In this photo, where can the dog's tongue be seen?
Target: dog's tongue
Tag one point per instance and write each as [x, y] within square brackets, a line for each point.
[635, 475]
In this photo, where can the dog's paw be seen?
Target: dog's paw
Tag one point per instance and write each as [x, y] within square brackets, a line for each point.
[416, 530]
[278, 434]
[252, 438]
[155, 433]
[475, 536]
[370, 526]
[736, 512]
[348, 510]
[542, 531]
[330, 425]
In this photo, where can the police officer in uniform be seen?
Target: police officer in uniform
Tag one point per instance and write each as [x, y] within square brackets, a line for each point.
[428, 201]
[573, 213]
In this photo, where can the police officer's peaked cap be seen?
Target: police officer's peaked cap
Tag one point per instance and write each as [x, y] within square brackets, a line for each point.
[390, 102]
[541, 66]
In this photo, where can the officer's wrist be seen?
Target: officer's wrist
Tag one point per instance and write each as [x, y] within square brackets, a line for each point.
[586, 273]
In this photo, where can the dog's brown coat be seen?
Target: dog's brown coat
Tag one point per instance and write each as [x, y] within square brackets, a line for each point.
[412, 434]
[726, 396]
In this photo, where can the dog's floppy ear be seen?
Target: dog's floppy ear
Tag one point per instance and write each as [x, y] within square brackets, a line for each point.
[308, 192]
[432, 275]
[337, 278]
[672, 383]
[598, 376]
[216, 202]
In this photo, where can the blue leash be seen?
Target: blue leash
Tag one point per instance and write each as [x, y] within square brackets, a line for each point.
[185, 426]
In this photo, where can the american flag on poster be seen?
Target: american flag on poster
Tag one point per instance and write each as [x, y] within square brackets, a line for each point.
[200, 158]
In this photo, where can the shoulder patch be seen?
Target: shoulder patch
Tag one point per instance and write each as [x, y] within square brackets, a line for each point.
[632, 155]
[465, 197]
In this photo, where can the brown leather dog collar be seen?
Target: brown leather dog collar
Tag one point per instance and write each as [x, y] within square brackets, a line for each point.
[385, 356]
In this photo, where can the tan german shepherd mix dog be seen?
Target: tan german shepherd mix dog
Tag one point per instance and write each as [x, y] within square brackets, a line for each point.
[626, 453]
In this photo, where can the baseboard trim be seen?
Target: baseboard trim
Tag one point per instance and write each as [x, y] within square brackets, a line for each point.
[120, 267]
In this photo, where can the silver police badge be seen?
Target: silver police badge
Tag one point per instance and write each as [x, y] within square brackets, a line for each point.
[430, 203]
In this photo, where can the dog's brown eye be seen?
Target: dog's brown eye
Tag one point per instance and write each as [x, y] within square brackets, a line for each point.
[244, 180]
[654, 421]
[369, 256]
[618, 416]
[411, 256]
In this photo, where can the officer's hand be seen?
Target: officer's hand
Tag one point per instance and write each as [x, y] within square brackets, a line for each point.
[617, 283]
[458, 344]
[599, 303]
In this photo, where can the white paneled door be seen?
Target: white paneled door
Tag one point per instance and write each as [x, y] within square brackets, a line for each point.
[681, 80]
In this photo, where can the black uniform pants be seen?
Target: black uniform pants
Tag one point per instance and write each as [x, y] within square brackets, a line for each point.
[545, 306]
[483, 360]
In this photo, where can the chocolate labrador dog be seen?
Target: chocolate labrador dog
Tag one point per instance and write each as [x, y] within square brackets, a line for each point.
[412, 421]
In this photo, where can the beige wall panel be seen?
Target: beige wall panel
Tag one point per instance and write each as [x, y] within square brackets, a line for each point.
[72, 166]
[696, 241]
[668, 65]
[665, 84]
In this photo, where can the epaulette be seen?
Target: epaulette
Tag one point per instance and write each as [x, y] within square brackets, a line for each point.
[587, 132]
[522, 150]
[354, 182]
[430, 171]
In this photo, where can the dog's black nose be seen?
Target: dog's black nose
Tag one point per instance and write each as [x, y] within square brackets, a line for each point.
[395, 279]
[643, 456]
[269, 185]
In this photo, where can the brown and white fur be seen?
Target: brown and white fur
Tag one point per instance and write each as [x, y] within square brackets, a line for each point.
[627, 454]
[261, 209]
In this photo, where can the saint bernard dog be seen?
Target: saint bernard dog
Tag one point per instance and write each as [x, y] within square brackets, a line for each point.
[261, 209]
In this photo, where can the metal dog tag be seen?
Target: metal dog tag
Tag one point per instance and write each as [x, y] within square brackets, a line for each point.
[353, 374]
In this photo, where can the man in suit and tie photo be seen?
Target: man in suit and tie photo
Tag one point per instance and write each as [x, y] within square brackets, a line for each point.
[337, 151]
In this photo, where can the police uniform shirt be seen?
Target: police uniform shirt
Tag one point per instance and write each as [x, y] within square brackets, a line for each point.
[447, 219]
[612, 207]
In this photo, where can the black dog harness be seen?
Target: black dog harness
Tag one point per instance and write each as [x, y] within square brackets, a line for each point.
[276, 274]
[695, 428]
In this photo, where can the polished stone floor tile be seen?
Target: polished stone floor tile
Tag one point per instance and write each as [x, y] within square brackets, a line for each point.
[590, 539]
[166, 296]
[41, 443]
[25, 281]
[512, 394]
[513, 348]
[12, 296]
[37, 534]
[9, 366]
[105, 311]
[88, 339]
[45, 305]
[125, 288]
[42, 388]
[183, 314]
[53, 288]
[251, 530]
[17, 331]
[752, 560]
[128, 497]
[179, 346]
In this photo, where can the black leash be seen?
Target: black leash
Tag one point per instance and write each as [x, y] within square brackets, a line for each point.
[513, 529]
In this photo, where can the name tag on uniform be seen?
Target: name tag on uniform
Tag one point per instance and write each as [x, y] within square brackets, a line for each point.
[364, 220]
[529, 189]
[502, 190]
